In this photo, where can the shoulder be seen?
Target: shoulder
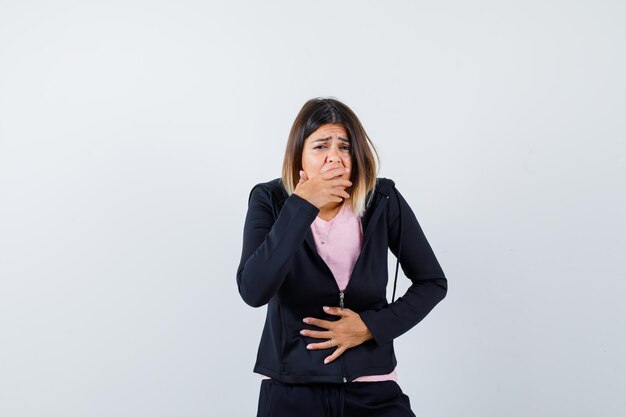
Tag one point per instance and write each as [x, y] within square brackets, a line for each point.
[385, 185]
[272, 189]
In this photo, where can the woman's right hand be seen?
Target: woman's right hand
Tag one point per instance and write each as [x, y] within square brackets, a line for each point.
[324, 188]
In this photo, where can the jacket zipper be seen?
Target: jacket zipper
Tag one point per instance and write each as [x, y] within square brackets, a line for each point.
[343, 371]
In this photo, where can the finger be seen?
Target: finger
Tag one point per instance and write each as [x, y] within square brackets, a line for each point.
[338, 352]
[303, 175]
[336, 311]
[316, 334]
[339, 175]
[321, 345]
[340, 193]
[340, 182]
[334, 172]
[318, 322]
[332, 165]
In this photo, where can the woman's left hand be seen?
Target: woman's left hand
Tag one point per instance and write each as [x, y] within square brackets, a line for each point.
[347, 332]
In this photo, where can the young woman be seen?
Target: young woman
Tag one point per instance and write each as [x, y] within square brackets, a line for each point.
[315, 245]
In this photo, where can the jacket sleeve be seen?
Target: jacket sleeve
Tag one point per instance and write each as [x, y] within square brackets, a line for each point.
[419, 264]
[269, 245]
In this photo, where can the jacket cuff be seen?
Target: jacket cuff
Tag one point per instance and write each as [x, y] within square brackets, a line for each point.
[304, 203]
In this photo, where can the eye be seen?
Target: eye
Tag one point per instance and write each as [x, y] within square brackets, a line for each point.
[347, 148]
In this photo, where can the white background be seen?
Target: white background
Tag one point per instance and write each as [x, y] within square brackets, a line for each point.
[131, 133]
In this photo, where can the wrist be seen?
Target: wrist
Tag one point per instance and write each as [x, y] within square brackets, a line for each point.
[365, 333]
[305, 197]
[304, 202]
[368, 335]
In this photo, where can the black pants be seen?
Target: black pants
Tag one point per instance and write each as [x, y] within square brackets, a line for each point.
[352, 399]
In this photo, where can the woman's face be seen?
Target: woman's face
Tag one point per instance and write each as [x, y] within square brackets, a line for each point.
[326, 148]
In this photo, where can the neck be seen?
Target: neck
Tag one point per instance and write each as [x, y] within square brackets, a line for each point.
[329, 210]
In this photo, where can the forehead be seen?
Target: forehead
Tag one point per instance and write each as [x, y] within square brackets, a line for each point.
[328, 130]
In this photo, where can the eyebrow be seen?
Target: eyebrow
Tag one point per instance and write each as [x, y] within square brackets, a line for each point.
[326, 139]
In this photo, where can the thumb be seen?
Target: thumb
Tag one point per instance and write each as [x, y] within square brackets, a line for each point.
[303, 175]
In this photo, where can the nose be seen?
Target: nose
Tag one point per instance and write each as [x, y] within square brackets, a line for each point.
[333, 155]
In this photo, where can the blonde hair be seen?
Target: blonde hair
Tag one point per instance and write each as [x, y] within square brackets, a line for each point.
[315, 113]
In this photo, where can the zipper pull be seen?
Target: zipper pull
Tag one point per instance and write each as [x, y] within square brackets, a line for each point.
[341, 300]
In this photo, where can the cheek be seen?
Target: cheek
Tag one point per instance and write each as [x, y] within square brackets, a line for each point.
[312, 162]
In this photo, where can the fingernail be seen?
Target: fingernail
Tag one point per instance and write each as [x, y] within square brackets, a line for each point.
[308, 346]
[302, 332]
[326, 308]
[305, 320]
[326, 361]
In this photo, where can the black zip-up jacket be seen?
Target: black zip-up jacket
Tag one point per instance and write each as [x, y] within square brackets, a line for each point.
[280, 267]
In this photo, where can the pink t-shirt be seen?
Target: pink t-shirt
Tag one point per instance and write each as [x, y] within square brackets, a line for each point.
[339, 243]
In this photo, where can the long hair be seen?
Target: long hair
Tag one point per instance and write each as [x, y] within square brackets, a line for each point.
[315, 113]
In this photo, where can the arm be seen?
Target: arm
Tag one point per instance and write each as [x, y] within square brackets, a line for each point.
[268, 245]
[419, 264]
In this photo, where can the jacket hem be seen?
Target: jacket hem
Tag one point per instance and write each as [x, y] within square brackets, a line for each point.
[298, 379]
[370, 371]
[312, 379]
